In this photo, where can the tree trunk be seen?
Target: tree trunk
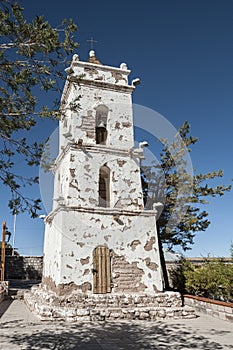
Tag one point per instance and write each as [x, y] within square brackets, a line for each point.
[163, 263]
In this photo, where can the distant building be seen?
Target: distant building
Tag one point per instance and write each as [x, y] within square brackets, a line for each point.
[199, 261]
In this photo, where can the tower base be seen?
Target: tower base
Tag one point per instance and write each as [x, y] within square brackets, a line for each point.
[100, 307]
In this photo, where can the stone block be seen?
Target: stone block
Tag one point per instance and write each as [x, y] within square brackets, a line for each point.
[190, 316]
[82, 312]
[115, 314]
[94, 312]
[97, 318]
[161, 313]
[228, 310]
[71, 313]
[144, 315]
[215, 314]
[222, 316]
[81, 319]
[229, 317]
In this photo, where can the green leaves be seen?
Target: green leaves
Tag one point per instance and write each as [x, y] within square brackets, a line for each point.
[213, 279]
[32, 59]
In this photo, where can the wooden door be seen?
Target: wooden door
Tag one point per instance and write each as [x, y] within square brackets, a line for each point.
[102, 270]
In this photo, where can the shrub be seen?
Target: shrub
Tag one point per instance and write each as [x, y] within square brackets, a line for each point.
[214, 279]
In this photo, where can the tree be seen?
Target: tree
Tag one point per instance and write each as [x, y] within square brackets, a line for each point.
[231, 251]
[184, 193]
[32, 58]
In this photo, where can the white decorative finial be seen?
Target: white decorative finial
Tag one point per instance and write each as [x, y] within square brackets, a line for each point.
[92, 53]
[123, 66]
[143, 144]
[136, 82]
[75, 57]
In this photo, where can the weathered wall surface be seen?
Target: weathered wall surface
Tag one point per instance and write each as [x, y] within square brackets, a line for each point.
[77, 178]
[81, 124]
[23, 267]
[18, 267]
[130, 237]
[102, 94]
[79, 222]
[100, 86]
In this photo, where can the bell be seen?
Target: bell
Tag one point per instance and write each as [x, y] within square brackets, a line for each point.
[101, 124]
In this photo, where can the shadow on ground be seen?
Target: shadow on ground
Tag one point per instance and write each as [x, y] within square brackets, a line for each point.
[4, 306]
[109, 335]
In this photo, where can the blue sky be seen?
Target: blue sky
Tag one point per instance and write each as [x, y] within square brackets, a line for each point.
[182, 51]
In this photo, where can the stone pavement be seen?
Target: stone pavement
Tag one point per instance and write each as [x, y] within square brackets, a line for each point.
[20, 329]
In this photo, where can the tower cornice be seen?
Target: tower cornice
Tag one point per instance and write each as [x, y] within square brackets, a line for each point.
[100, 67]
[103, 84]
[99, 149]
[115, 212]
[98, 76]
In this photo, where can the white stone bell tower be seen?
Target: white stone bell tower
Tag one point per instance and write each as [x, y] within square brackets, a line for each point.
[99, 239]
[101, 256]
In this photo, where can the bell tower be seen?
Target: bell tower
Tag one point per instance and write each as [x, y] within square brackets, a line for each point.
[99, 239]
[101, 255]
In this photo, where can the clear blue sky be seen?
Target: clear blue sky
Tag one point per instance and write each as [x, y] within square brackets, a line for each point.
[182, 51]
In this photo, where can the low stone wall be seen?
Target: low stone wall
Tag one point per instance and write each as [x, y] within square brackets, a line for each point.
[23, 267]
[4, 286]
[210, 307]
[2, 294]
[99, 307]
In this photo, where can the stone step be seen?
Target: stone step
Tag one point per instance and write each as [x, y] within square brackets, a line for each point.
[18, 287]
[48, 306]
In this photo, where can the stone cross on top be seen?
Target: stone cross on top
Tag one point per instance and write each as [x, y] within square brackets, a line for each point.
[92, 41]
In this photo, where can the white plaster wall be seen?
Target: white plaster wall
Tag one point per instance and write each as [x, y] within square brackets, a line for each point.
[90, 96]
[83, 231]
[62, 178]
[52, 249]
[77, 225]
[78, 179]
[95, 72]
[119, 122]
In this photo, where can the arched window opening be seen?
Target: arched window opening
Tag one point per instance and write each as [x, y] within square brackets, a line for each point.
[101, 124]
[104, 187]
[101, 135]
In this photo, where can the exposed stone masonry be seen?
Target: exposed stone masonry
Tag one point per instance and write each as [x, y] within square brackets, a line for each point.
[126, 277]
[24, 267]
[99, 307]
